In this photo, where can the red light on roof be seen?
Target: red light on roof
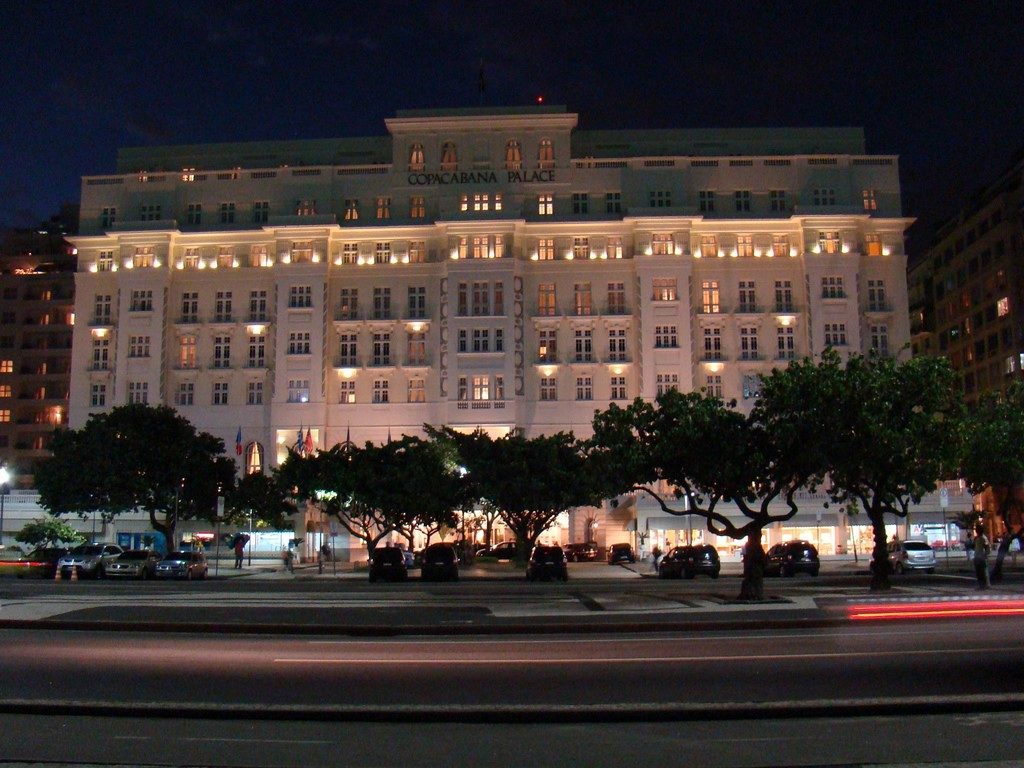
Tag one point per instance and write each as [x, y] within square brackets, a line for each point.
[540, 99]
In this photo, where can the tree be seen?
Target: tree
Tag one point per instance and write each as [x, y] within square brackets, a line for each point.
[895, 431]
[530, 481]
[263, 497]
[48, 531]
[709, 454]
[136, 457]
[993, 459]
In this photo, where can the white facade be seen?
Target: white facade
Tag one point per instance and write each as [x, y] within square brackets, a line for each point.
[477, 269]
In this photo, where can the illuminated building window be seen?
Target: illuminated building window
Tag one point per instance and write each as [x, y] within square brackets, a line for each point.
[258, 256]
[546, 249]
[580, 247]
[382, 253]
[417, 252]
[545, 155]
[744, 246]
[545, 205]
[305, 207]
[351, 209]
[662, 244]
[105, 261]
[416, 159]
[347, 392]
[383, 208]
[417, 207]
[5, 415]
[870, 202]
[298, 390]
[449, 157]
[513, 156]
[191, 258]
[143, 256]
[546, 299]
[664, 289]
[349, 253]
[710, 297]
[1003, 306]
[828, 241]
[615, 247]
[254, 461]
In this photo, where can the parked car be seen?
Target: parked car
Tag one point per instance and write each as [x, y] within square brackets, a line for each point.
[39, 563]
[620, 553]
[688, 561]
[89, 560]
[134, 564]
[912, 556]
[546, 562]
[506, 550]
[791, 558]
[182, 565]
[440, 562]
[388, 564]
[581, 553]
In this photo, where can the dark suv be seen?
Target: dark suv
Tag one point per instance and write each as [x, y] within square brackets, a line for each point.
[620, 553]
[388, 564]
[581, 553]
[547, 562]
[791, 558]
[689, 561]
[439, 562]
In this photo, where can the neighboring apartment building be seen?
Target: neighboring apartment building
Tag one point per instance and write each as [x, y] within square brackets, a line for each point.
[967, 289]
[478, 268]
[37, 278]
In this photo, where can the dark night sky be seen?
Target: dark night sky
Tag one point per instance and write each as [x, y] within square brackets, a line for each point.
[940, 84]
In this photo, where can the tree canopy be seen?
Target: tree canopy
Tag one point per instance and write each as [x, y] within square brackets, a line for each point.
[136, 457]
[47, 532]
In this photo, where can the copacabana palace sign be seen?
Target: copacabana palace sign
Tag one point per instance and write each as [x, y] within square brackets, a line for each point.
[481, 177]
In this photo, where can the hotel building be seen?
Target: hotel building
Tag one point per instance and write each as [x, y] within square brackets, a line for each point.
[478, 268]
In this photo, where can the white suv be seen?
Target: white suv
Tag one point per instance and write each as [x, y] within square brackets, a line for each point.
[912, 556]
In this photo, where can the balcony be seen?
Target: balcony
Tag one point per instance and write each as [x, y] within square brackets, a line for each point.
[480, 405]
[784, 307]
[617, 310]
[750, 356]
[223, 318]
[101, 321]
[189, 319]
[258, 317]
[749, 309]
[879, 306]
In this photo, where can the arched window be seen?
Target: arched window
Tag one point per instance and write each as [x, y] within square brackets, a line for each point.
[513, 156]
[449, 157]
[416, 157]
[545, 154]
[253, 458]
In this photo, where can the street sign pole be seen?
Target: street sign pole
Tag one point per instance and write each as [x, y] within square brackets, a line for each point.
[944, 505]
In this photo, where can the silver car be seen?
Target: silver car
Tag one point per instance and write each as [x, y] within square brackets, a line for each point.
[912, 556]
[134, 564]
[182, 565]
[88, 560]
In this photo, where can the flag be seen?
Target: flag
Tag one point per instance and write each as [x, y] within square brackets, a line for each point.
[299, 444]
[307, 446]
[238, 442]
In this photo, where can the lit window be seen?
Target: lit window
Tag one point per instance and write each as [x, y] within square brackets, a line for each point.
[870, 202]
[449, 157]
[351, 209]
[545, 205]
[661, 244]
[545, 154]
[347, 392]
[383, 207]
[417, 391]
[416, 162]
[710, 297]
[298, 390]
[513, 156]
[417, 207]
[664, 289]
[1003, 306]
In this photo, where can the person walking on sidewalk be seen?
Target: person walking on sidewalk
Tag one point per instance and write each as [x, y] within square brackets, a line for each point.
[239, 551]
[981, 557]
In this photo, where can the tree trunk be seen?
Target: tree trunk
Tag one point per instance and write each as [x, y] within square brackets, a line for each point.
[880, 565]
[752, 587]
[1004, 548]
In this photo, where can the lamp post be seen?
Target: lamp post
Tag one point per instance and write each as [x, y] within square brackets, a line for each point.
[5, 488]
[249, 542]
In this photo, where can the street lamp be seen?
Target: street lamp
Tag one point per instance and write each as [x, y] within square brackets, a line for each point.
[5, 488]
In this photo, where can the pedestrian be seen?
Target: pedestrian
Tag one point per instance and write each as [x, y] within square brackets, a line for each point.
[655, 556]
[981, 558]
[239, 551]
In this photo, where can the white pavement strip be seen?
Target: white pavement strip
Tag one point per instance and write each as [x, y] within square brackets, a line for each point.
[49, 606]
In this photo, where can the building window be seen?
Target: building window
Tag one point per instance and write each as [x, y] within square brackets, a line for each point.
[870, 201]
[835, 334]
[582, 299]
[301, 252]
[226, 256]
[417, 252]
[545, 205]
[666, 381]
[108, 217]
[783, 296]
[191, 259]
[141, 301]
[383, 208]
[828, 242]
[186, 394]
[748, 298]
[105, 261]
[777, 200]
[481, 299]
[584, 388]
[545, 155]
[580, 203]
[417, 391]
[613, 202]
[6, 390]
[227, 213]
[253, 458]
[615, 247]
[417, 207]
[5, 415]
[584, 338]
[616, 298]
[258, 256]
[220, 393]
[187, 351]
[876, 296]
[709, 297]
[348, 304]
[221, 351]
[300, 296]
[351, 209]
[873, 244]
[662, 244]
[751, 386]
[832, 287]
[880, 339]
[546, 249]
[416, 162]
[255, 393]
[347, 349]
[380, 391]
[417, 307]
[824, 196]
[138, 346]
[786, 342]
[744, 246]
[298, 390]
[748, 343]
[101, 309]
[546, 299]
[665, 337]
[713, 385]
[194, 214]
[260, 211]
[257, 306]
[618, 387]
[7, 366]
[780, 245]
[298, 343]
[481, 388]
[257, 352]
[709, 245]
[617, 345]
[347, 391]
[98, 396]
[664, 289]
[742, 200]
[350, 253]
[1003, 306]
[547, 345]
[138, 392]
[706, 201]
[712, 343]
[382, 253]
[548, 388]
[449, 157]
[481, 340]
[305, 207]
[513, 156]
[580, 247]
[416, 348]
[659, 198]
[150, 213]
[222, 307]
[381, 348]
